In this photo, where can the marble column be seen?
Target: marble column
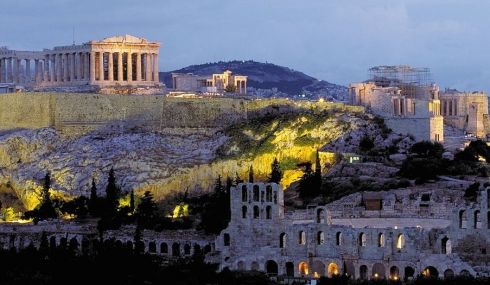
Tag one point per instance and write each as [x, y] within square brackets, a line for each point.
[78, 65]
[53, 67]
[138, 67]
[66, 67]
[36, 70]
[45, 75]
[72, 66]
[130, 67]
[148, 67]
[155, 67]
[92, 67]
[9, 76]
[101, 66]
[119, 67]
[111, 67]
[16, 71]
[2, 67]
[58, 68]
[86, 66]
[28, 70]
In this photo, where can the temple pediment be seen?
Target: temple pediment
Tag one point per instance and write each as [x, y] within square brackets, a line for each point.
[125, 39]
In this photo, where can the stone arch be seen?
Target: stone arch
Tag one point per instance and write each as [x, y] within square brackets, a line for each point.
[244, 212]
[349, 269]
[476, 220]
[52, 242]
[318, 268]
[244, 193]
[462, 219]
[465, 273]
[187, 249]
[268, 212]
[320, 216]
[73, 245]
[362, 239]
[163, 248]
[394, 273]
[197, 249]
[302, 237]
[446, 245]
[332, 269]
[289, 269]
[448, 274]
[175, 249]
[152, 247]
[409, 272]
[381, 240]
[256, 193]
[85, 244]
[363, 272]
[241, 266]
[119, 244]
[303, 268]
[256, 212]
[63, 242]
[271, 268]
[282, 240]
[400, 241]
[338, 238]
[378, 271]
[430, 272]
[129, 244]
[320, 238]
[255, 266]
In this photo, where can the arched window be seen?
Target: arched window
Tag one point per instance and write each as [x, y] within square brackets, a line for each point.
[275, 197]
[256, 193]
[271, 268]
[289, 269]
[282, 240]
[381, 240]
[363, 272]
[400, 241]
[163, 248]
[226, 239]
[256, 212]
[462, 219]
[477, 220]
[320, 216]
[394, 273]
[268, 212]
[446, 246]
[244, 193]
[448, 274]
[244, 212]
[362, 239]
[268, 193]
[303, 268]
[187, 249]
[152, 247]
[302, 237]
[333, 270]
[338, 238]
[320, 238]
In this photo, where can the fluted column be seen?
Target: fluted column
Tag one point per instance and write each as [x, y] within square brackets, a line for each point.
[86, 58]
[2, 68]
[36, 70]
[28, 70]
[101, 66]
[155, 67]
[16, 71]
[138, 67]
[148, 67]
[45, 74]
[92, 67]
[119, 67]
[58, 68]
[78, 65]
[111, 67]
[130, 67]
[53, 67]
[9, 76]
[71, 66]
[66, 67]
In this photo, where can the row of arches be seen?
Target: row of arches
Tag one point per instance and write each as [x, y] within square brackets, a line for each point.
[256, 212]
[268, 196]
[476, 222]
[362, 239]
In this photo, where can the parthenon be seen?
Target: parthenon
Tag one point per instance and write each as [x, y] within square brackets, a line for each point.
[111, 65]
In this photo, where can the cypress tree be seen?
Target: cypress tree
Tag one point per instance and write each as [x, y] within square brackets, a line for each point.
[276, 172]
[318, 165]
[218, 186]
[146, 212]
[112, 191]
[251, 174]
[93, 201]
[131, 201]
[238, 180]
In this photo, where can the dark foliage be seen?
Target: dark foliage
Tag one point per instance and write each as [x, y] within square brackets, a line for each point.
[366, 143]
[214, 208]
[276, 172]
[46, 210]
[471, 192]
[146, 213]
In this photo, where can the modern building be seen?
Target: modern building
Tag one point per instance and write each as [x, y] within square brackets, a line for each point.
[120, 64]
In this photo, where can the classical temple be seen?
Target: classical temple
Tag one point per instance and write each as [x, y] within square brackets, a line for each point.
[120, 64]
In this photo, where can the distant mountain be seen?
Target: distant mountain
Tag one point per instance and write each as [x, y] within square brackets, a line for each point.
[289, 82]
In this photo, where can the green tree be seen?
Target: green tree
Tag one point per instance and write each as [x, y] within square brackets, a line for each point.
[366, 143]
[229, 184]
[216, 209]
[93, 202]
[307, 184]
[131, 201]
[276, 172]
[146, 213]
[238, 180]
[46, 209]
[251, 174]
[427, 149]
[112, 193]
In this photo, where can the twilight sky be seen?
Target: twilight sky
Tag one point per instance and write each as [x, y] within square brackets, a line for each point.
[334, 40]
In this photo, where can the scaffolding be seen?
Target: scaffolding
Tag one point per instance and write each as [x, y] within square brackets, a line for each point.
[410, 80]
